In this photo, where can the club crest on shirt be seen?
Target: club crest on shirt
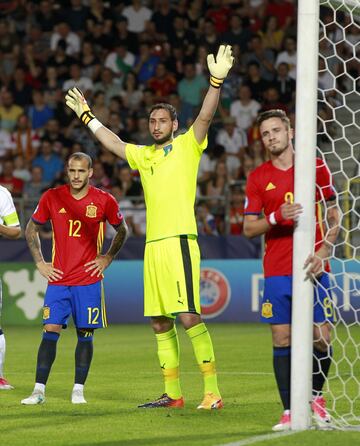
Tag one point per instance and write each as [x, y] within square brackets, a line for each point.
[266, 310]
[91, 211]
[46, 313]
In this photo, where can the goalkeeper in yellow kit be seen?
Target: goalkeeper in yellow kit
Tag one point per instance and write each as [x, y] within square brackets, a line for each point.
[168, 171]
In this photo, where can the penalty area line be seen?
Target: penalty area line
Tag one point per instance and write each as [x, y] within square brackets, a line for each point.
[258, 438]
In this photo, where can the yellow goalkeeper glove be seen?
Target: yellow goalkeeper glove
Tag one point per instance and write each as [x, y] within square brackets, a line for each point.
[77, 102]
[220, 68]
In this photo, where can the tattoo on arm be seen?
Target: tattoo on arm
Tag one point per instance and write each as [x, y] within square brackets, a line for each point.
[118, 240]
[33, 241]
[333, 223]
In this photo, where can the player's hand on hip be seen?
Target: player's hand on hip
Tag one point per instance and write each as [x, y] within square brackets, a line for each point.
[220, 66]
[76, 101]
[49, 272]
[98, 265]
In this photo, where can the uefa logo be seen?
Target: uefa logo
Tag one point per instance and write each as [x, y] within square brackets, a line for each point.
[215, 292]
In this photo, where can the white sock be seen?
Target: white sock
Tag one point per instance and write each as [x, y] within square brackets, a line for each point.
[2, 354]
[78, 387]
[39, 388]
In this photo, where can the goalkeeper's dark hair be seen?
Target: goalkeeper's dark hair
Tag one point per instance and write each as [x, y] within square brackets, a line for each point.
[81, 156]
[274, 113]
[165, 106]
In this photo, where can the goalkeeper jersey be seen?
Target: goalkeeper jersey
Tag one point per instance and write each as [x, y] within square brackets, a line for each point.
[168, 177]
[267, 189]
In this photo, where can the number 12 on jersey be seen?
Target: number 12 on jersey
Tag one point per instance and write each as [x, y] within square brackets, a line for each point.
[74, 228]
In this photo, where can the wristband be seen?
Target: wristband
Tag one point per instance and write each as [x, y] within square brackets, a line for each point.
[86, 117]
[215, 82]
[94, 125]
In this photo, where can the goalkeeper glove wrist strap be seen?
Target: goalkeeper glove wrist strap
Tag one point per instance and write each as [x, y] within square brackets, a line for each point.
[89, 119]
[94, 125]
[215, 82]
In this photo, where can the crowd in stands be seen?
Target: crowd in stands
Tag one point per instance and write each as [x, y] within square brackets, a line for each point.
[125, 56]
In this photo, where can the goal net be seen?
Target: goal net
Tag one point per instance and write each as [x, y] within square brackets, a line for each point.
[339, 144]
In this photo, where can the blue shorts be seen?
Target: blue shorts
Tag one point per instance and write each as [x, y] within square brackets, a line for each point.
[86, 304]
[277, 299]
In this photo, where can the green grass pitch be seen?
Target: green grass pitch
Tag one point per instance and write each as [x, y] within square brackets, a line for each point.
[125, 373]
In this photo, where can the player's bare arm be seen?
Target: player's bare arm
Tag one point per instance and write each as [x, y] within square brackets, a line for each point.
[315, 262]
[77, 102]
[219, 69]
[10, 232]
[253, 225]
[33, 240]
[98, 265]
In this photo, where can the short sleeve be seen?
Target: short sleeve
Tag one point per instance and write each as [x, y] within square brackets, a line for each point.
[113, 214]
[42, 212]
[131, 152]
[253, 200]
[191, 135]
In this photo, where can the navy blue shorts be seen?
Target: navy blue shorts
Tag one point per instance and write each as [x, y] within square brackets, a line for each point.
[277, 299]
[86, 304]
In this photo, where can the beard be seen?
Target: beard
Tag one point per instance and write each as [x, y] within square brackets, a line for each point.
[162, 140]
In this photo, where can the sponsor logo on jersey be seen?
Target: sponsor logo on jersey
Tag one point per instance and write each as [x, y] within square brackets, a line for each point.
[215, 292]
[62, 211]
[266, 310]
[91, 211]
[270, 186]
[46, 313]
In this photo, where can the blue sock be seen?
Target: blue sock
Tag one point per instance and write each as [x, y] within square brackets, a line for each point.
[46, 356]
[282, 367]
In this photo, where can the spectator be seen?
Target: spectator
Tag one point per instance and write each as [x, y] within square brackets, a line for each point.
[271, 35]
[191, 89]
[77, 80]
[9, 50]
[54, 134]
[6, 144]
[131, 94]
[236, 214]
[51, 164]
[120, 61]
[163, 20]
[20, 90]
[181, 35]
[63, 32]
[90, 63]
[46, 16]
[99, 13]
[216, 188]
[127, 210]
[238, 34]
[233, 140]
[9, 112]
[272, 100]
[264, 57]
[283, 10]
[14, 185]
[99, 178]
[209, 37]
[76, 15]
[219, 13]
[288, 56]
[257, 84]
[206, 223]
[39, 113]
[107, 85]
[99, 106]
[20, 169]
[61, 60]
[129, 186]
[162, 84]
[285, 85]
[35, 187]
[145, 63]
[25, 140]
[123, 35]
[52, 88]
[141, 136]
[244, 109]
[137, 16]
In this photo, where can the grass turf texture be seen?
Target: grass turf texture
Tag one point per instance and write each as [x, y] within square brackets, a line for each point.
[125, 373]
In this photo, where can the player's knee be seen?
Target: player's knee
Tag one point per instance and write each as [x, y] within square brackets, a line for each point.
[189, 320]
[85, 334]
[52, 328]
[161, 324]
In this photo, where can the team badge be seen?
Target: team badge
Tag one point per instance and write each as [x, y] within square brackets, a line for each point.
[46, 313]
[91, 211]
[215, 292]
[266, 310]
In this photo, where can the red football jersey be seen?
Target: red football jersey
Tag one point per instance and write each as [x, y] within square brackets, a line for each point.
[78, 229]
[267, 189]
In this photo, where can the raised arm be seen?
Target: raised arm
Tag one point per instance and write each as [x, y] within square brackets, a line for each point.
[219, 69]
[77, 102]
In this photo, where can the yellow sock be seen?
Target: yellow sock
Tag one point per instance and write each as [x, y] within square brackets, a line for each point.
[205, 356]
[168, 353]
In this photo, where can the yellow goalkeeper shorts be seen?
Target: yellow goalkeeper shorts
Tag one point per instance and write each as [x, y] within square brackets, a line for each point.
[172, 276]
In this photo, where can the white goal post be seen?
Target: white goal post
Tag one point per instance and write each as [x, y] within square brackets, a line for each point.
[328, 126]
